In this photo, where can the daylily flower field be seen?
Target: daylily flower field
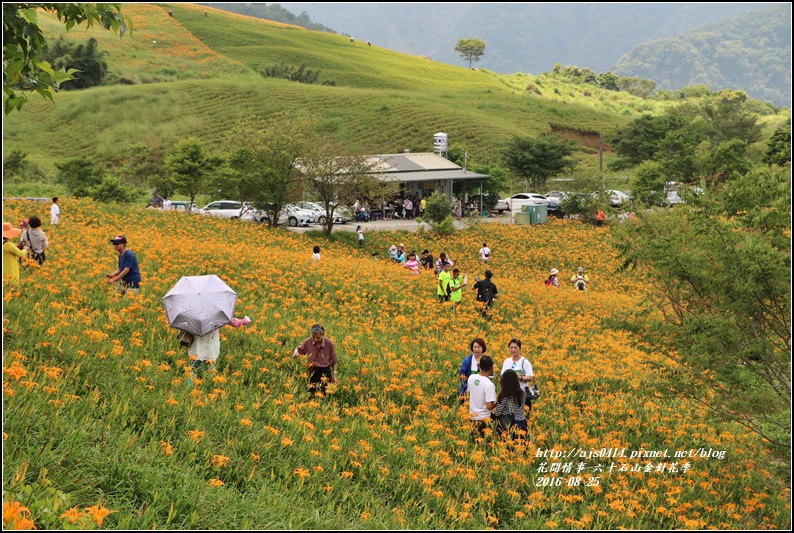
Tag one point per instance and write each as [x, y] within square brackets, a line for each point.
[104, 425]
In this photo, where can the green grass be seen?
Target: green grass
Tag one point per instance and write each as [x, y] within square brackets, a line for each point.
[196, 75]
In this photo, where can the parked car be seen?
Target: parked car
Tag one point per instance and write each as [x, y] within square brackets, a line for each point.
[538, 198]
[555, 210]
[559, 196]
[182, 205]
[501, 206]
[223, 209]
[617, 198]
[291, 215]
[320, 213]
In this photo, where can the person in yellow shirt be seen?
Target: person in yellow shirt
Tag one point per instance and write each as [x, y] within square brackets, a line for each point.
[580, 279]
[443, 283]
[11, 254]
[456, 284]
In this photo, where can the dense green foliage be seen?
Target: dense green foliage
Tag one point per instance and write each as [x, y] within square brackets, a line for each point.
[750, 52]
[85, 59]
[24, 68]
[708, 140]
[723, 265]
[540, 159]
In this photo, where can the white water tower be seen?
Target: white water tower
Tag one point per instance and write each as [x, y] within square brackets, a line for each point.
[440, 146]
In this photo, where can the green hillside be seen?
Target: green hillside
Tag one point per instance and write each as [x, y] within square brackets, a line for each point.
[191, 74]
[750, 52]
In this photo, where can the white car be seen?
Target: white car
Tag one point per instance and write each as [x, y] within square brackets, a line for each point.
[617, 198]
[319, 212]
[524, 196]
[558, 196]
[291, 215]
[224, 209]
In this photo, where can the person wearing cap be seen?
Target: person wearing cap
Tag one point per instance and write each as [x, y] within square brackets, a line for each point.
[552, 280]
[580, 279]
[322, 358]
[12, 253]
[127, 272]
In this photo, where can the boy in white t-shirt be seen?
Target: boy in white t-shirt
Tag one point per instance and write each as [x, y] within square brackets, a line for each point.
[485, 253]
[482, 396]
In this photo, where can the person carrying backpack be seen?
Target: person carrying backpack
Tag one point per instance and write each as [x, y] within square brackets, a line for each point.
[486, 291]
[580, 279]
[552, 280]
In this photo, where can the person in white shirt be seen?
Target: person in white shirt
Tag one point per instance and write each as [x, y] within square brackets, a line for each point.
[55, 212]
[482, 396]
[166, 203]
[485, 253]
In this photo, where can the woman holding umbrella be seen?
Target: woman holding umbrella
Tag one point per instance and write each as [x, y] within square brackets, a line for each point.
[199, 306]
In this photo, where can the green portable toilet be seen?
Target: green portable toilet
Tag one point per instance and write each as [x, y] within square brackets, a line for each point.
[539, 213]
[523, 218]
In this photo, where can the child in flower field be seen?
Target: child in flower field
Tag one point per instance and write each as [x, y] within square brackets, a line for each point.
[316, 254]
[207, 347]
[482, 396]
[412, 264]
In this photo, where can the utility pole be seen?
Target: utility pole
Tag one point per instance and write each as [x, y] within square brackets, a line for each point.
[600, 152]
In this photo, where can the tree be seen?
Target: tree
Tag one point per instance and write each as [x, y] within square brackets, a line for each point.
[470, 49]
[24, 70]
[264, 161]
[539, 159]
[190, 167]
[720, 300]
[778, 150]
[78, 174]
[648, 183]
[724, 162]
[85, 59]
[438, 211]
[339, 179]
[609, 81]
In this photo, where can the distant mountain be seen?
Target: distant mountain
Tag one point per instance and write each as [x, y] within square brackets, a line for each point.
[750, 52]
[519, 37]
[273, 12]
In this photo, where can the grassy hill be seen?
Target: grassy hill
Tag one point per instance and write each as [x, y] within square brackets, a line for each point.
[206, 74]
[194, 75]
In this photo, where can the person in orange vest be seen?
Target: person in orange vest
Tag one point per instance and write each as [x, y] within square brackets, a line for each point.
[600, 218]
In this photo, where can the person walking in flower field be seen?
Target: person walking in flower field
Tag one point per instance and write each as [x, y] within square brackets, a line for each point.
[456, 285]
[12, 254]
[34, 240]
[580, 279]
[322, 358]
[482, 396]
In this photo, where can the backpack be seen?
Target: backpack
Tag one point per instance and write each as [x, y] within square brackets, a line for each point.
[580, 283]
[486, 293]
[550, 282]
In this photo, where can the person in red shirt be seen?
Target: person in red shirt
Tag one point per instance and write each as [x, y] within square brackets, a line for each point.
[600, 218]
[322, 358]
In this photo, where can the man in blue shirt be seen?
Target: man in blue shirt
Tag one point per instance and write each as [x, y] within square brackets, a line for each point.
[128, 272]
